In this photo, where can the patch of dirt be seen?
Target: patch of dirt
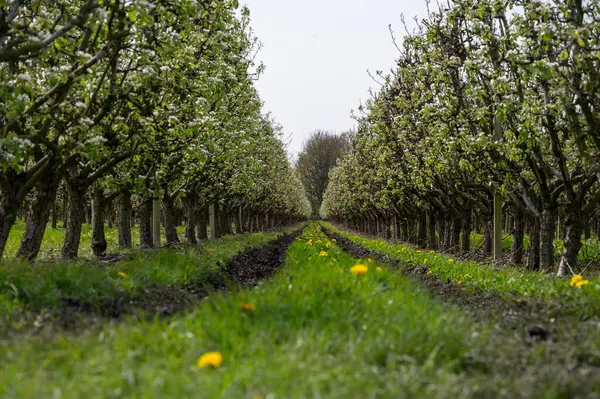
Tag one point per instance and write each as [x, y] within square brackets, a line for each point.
[256, 264]
[245, 269]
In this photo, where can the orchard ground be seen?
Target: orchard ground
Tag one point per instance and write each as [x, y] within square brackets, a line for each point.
[406, 323]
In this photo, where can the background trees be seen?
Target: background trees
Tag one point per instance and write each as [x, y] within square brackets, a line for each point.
[492, 105]
[319, 155]
[140, 102]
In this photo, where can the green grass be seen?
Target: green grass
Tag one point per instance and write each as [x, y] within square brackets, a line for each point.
[53, 240]
[317, 331]
[590, 248]
[503, 280]
[38, 286]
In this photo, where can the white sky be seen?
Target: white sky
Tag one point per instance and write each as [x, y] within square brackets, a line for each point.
[317, 53]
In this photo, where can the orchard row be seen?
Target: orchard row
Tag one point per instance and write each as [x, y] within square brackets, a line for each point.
[490, 118]
[150, 103]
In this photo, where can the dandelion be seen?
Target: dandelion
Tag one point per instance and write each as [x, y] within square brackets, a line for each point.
[432, 252]
[581, 283]
[575, 279]
[248, 307]
[578, 281]
[213, 359]
[334, 240]
[359, 270]
[323, 253]
[450, 260]
[419, 251]
[123, 275]
[429, 272]
[459, 282]
[425, 260]
[328, 245]
[369, 260]
[404, 249]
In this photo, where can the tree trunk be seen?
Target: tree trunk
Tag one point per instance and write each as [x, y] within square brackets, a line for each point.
[65, 207]
[547, 230]
[431, 238]
[37, 219]
[145, 220]
[574, 225]
[442, 232]
[516, 251]
[170, 220]
[54, 213]
[124, 220]
[422, 238]
[156, 217]
[455, 239]
[466, 232]
[99, 244]
[533, 251]
[202, 218]
[189, 203]
[8, 214]
[75, 218]
[488, 240]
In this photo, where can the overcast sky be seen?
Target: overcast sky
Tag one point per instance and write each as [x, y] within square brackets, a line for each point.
[317, 53]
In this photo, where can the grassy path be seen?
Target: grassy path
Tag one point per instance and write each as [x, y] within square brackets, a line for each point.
[76, 294]
[314, 330]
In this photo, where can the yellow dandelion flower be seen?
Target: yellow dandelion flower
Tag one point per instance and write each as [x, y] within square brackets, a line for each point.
[334, 240]
[369, 260]
[328, 245]
[404, 249]
[213, 359]
[459, 282]
[581, 283]
[575, 279]
[123, 275]
[359, 270]
[248, 307]
[432, 252]
[419, 251]
[429, 272]
[425, 260]
[450, 260]
[322, 253]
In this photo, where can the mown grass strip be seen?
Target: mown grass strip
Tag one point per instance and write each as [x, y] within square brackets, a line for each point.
[314, 330]
[510, 282]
